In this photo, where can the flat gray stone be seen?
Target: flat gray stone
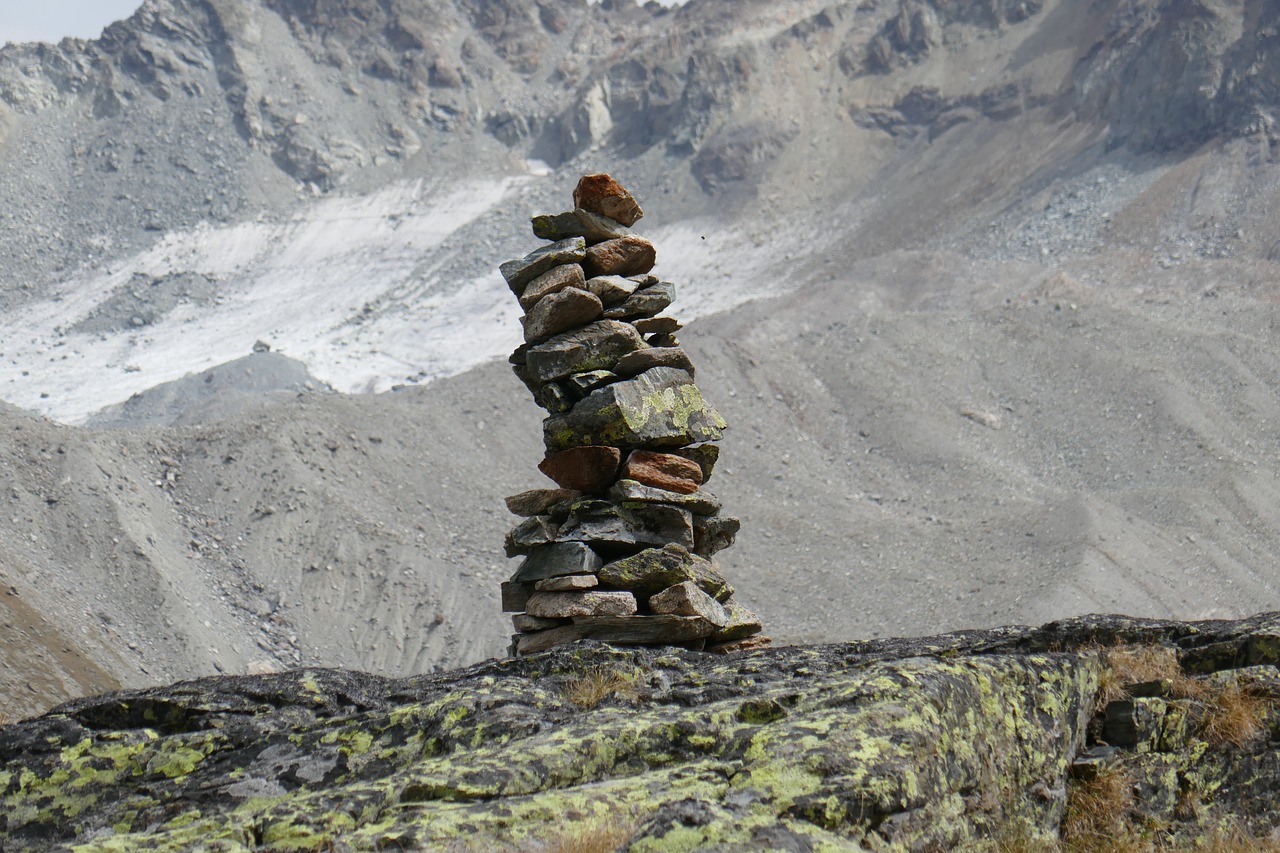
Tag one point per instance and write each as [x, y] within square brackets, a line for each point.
[635, 363]
[661, 407]
[529, 534]
[539, 501]
[643, 630]
[520, 272]
[613, 290]
[560, 558]
[543, 640]
[648, 302]
[594, 347]
[712, 534]
[568, 583]
[605, 523]
[653, 570]
[742, 623]
[591, 226]
[565, 605]
[553, 281]
[699, 502]
[526, 624]
[585, 383]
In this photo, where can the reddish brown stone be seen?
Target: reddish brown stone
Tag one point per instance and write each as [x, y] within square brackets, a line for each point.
[601, 194]
[586, 469]
[663, 471]
[624, 256]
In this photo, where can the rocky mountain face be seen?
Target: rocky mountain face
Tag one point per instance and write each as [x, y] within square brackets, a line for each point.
[986, 289]
[979, 740]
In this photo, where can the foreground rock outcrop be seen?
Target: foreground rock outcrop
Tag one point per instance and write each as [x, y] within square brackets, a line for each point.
[974, 738]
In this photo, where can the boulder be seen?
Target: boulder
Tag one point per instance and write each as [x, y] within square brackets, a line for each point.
[560, 312]
[661, 407]
[559, 558]
[564, 605]
[552, 281]
[623, 256]
[585, 469]
[687, 599]
[601, 194]
[519, 273]
[590, 226]
[663, 471]
[594, 347]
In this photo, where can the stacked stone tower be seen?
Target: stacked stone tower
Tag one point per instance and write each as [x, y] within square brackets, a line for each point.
[622, 550]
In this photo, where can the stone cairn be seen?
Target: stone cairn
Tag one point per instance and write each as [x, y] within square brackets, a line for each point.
[622, 550]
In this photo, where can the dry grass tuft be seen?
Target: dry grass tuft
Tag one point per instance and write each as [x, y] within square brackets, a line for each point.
[598, 838]
[1237, 715]
[1236, 840]
[1125, 665]
[595, 685]
[1098, 815]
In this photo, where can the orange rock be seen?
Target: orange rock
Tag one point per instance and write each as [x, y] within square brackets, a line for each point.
[601, 194]
[663, 471]
[587, 469]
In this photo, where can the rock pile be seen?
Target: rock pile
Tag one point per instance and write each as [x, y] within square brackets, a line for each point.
[622, 550]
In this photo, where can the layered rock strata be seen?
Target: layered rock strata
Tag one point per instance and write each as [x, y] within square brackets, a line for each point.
[623, 550]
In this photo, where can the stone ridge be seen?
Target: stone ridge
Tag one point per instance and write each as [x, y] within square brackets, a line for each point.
[625, 429]
[931, 743]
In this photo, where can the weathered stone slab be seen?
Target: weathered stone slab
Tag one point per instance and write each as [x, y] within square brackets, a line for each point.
[584, 383]
[520, 272]
[560, 558]
[649, 302]
[712, 534]
[515, 596]
[529, 534]
[656, 569]
[657, 325]
[565, 605]
[686, 599]
[624, 256]
[586, 469]
[607, 524]
[663, 471]
[644, 630]
[543, 640]
[594, 347]
[742, 623]
[634, 363]
[590, 226]
[560, 312]
[697, 502]
[568, 583]
[749, 644]
[527, 624]
[613, 290]
[538, 501]
[660, 407]
[553, 281]
[601, 194]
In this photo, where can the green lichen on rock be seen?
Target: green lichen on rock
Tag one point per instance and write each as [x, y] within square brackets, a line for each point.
[935, 743]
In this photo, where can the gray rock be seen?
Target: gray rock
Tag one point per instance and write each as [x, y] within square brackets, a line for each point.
[560, 558]
[699, 502]
[712, 534]
[553, 281]
[657, 325]
[594, 347]
[584, 383]
[661, 407]
[648, 302]
[564, 605]
[644, 630]
[543, 640]
[653, 570]
[535, 531]
[606, 524]
[515, 596]
[539, 501]
[634, 363]
[687, 599]
[742, 623]
[553, 398]
[613, 290]
[560, 312]
[520, 272]
[527, 624]
[568, 583]
[706, 455]
[591, 226]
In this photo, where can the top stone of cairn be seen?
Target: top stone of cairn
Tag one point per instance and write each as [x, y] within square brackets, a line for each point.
[601, 194]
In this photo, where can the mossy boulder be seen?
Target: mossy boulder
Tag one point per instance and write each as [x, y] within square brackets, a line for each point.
[939, 743]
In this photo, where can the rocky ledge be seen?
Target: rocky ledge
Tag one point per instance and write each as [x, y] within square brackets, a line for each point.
[1078, 734]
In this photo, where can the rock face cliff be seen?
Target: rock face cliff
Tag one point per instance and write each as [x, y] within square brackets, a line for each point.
[1003, 739]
